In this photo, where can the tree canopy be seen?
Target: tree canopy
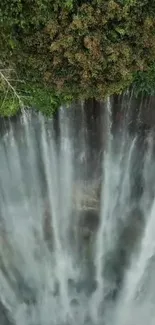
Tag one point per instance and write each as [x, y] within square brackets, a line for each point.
[75, 48]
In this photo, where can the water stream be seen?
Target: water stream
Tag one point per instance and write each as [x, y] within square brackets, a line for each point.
[77, 226]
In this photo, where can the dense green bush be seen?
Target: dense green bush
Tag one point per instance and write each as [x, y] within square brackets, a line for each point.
[30, 95]
[144, 81]
[78, 48]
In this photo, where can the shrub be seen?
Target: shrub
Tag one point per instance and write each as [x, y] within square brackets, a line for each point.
[76, 48]
[144, 81]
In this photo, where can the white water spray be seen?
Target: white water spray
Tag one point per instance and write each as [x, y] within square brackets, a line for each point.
[55, 267]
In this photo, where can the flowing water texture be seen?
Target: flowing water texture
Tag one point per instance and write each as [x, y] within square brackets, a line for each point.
[77, 242]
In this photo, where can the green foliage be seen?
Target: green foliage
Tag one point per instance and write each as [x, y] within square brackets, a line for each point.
[42, 99]
[69, 4]
[77, 48]
[9, 106]
[144, 82]
[16, 94]
[10, 101]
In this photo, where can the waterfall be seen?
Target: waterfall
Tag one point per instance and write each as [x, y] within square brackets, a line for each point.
[77, 221]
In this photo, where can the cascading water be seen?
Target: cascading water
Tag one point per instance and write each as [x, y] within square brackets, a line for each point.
[76, 249]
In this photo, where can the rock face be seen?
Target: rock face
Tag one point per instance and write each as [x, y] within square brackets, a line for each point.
[145, 108]
[137, 113]
[86, 196]
[86, 206]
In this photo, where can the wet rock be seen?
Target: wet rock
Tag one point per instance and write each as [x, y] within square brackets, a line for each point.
[86, 196]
